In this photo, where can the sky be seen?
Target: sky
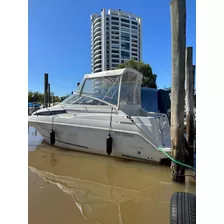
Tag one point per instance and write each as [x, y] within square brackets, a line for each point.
[59, 39]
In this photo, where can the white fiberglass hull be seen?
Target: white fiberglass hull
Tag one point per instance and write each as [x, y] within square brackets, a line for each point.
[87, 132]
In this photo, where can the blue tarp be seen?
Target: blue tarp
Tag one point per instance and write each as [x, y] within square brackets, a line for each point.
[155, 100]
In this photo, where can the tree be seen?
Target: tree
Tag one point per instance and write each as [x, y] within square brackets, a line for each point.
[35, 97]
[149, 79]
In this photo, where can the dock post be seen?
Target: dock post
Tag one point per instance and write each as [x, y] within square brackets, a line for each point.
[49, 94]
[178, 32]
[45, 89]
[189, 101]
[193, 70]
[194, 95]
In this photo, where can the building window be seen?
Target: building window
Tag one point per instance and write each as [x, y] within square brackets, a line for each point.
[133, 49]
[115, 56]
[115, 27]
[134, 45]
[115, 37]
[115, 23]
[125, 46]
[115, 42]
[115, 46]
[125, 25]
[134, 41]
[125, 36]
[134, 54]
[114, 18]
[115, 32]
[125, 20]
[125, 29]
[115, 60]
[114, 65]
[134, 27]
[115, 51]
[134, 31]
[134, 23]
[134, 36]
[125, 54]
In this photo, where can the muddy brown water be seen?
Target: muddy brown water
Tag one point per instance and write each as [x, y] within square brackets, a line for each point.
[72, 187]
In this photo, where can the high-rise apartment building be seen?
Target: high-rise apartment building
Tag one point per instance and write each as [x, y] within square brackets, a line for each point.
[115, 37]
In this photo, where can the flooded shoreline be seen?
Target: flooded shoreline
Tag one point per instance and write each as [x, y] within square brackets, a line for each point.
[74, 187]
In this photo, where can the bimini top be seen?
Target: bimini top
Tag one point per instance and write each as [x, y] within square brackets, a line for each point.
[117, 72]
[114, 88]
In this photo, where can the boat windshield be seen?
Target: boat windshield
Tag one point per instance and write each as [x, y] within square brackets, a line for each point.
[96, 91]
[104, 90]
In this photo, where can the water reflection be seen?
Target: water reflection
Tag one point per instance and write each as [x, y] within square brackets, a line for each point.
[34, 138]
[67, 187]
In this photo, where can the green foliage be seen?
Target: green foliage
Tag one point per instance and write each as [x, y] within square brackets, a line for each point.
[35, 97]
[39, 97]
[149, 79]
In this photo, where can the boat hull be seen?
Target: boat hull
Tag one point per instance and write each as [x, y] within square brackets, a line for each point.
[127, 141]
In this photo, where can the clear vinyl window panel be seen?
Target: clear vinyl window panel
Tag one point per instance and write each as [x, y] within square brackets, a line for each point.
[105, 89]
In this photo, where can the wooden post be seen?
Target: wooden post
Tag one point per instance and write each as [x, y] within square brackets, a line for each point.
[178, 30]
[193, 71]
[194, 67]
[45, 89]
[189, 100]
[49, 94]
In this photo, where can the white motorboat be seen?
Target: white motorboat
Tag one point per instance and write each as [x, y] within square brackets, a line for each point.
[104, 116]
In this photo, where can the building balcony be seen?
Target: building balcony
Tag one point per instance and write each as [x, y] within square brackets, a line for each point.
[98, 55]
[97, 20]
[98, 65]
[97, 51]
[97, 60]
[97, 47]
[96, 29]
[97, 43]
[96, 34]
[96, 38]
[98, 69]
[98, 23]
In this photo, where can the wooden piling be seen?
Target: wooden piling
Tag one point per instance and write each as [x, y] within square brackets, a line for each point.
[45, 90]
[49, 94]
[194, 67]
[189, 101]
[193, 71]
[178, 31]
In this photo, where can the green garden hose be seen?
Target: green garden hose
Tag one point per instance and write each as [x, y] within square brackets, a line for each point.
[175, 161]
